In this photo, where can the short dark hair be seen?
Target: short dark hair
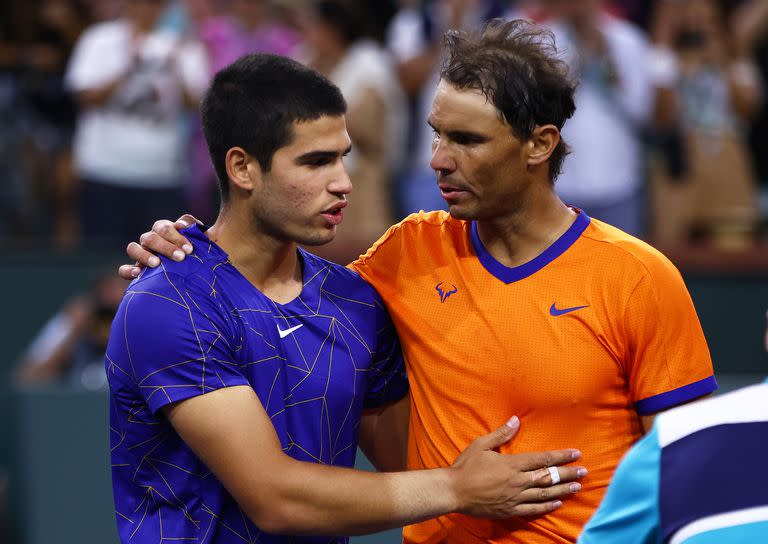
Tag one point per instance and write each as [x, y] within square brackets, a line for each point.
[254, 102]
[515, 64]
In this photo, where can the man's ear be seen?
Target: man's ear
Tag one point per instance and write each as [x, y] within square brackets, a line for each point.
[542, 143]
[243, 170]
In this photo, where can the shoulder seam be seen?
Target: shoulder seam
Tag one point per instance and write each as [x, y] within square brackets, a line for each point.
[411, 219]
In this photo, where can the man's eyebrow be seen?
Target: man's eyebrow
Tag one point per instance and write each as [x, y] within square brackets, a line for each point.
[313, 156]
[460, 133]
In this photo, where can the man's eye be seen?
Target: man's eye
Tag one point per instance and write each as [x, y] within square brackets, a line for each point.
[319, 162]
[463, 139]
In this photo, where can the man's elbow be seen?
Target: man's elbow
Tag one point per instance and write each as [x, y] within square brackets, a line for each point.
[278, 517]
[275, 506]
[273, 521]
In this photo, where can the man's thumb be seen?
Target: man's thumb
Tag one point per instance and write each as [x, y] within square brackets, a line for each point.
[502, 435]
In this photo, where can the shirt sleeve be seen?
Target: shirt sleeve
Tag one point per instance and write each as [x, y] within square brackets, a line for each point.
[380, 264]
[669, 360]
[387, 380]
[629, 513]
[174, 340]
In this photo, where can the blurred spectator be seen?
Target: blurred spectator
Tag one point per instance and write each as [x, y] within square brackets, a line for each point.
[37, 116]
[604, 175]
[71, 345]
[50, 115]
[414, 37]
[13, 190]
[750, 22]
[707, 90]
[105, 10]
[229, 30]
[339, 47]
[239, 27]
[133, 83]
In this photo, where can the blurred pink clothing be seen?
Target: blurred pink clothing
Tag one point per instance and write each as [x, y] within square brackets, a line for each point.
[226, 39]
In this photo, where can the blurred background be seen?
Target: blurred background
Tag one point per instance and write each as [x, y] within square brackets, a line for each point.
[99, 136]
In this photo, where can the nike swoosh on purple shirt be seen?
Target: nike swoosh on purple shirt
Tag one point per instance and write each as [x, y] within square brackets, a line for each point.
[553, 310]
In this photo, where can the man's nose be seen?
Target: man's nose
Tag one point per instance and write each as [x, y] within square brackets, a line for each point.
[442, 161]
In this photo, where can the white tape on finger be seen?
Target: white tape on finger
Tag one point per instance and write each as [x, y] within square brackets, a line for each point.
[554, 474]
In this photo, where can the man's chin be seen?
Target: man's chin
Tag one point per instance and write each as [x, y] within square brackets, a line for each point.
[462, 212]
[318, 239]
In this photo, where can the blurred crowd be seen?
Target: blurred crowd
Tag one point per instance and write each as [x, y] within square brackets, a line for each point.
[99, 132]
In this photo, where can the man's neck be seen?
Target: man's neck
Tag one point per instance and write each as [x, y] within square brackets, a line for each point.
[524, 234]
[271, 265]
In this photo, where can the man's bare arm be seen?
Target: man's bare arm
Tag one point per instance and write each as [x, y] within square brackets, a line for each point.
[230, 431]
[384, 435]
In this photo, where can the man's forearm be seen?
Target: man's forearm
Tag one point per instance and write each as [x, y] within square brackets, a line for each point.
[313, 499]
[231, 433]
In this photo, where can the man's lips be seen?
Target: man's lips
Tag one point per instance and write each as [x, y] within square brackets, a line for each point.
[451, 192]
[334, 215]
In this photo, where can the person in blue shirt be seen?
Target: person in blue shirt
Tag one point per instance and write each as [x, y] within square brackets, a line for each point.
[243, 378]
[693, 478]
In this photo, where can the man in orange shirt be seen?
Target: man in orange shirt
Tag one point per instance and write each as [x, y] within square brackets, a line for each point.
[515, 302]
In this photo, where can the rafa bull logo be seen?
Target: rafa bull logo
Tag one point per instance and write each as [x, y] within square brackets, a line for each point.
[445, 293]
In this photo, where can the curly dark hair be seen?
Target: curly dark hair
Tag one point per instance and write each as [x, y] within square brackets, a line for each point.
[514, 63]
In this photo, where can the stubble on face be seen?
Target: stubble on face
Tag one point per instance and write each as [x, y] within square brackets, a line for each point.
[476, 153]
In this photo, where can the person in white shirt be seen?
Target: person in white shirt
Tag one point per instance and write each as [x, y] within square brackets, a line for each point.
[133, 83]
[604, 174]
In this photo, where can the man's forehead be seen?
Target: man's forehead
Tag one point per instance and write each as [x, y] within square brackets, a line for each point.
[464, 106]
[326, 134]
[321, 132]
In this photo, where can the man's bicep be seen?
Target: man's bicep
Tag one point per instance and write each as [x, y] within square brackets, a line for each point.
[229, 430]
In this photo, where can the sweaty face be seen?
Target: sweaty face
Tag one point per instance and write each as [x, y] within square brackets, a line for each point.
[480, 164]
[302, 197]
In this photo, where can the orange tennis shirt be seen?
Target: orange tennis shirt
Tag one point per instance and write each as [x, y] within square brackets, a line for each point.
[577, 342]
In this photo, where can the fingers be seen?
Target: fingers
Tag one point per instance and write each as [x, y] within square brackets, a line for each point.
[141, 255]
[543, 477]
[166, 235]
[128, 271]
[164, 239]
[186, 220]
[500, 436]
[535, 460]
[537, 501]
[539, 495]
[535, 509]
